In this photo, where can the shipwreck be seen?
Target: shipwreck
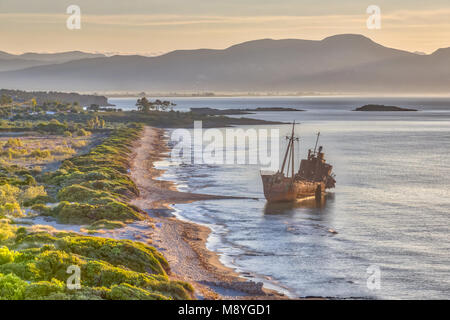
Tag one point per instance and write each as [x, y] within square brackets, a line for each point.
[312, 179]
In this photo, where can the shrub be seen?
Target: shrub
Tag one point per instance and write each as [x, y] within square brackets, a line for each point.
[126, 291]
[82, 213]
[31, 193]
[8, 193]
[38, 153]
[59, 150]
[83, 133]
[42, 209]
[6, 256]
[106, 224]
[7, 231]
[77, 193]
[13, 143]
[42, 290]
[38, 200]
[137, 256]
[110, 269]
[12, 287]
[52, 127]
[11, 209]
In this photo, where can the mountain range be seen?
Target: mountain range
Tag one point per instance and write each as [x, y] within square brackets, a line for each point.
[347, 63]
[10, 61]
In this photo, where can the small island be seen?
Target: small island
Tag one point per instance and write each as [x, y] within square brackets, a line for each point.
[380, 107]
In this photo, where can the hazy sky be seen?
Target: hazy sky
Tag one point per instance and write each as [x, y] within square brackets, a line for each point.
[157, 26]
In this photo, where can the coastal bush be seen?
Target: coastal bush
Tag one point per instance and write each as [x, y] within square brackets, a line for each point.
[106, 224]
[111, 269]
[41, 199]
[6, 256]
[52, 127]
[137, 256]
[83, 133]
[42, 209]
[12, 287]
[12, 197]
[62, 151]
[78, 143]
[32, 194]
[81, 213]
[7, 231]
[13, 143]
[8, 193]
[11, 209]
[126, 291]
[38, 153]
[78, 193]
[43, 290]
[33, 265]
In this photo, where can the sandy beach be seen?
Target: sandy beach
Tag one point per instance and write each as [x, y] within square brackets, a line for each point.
[183, 243]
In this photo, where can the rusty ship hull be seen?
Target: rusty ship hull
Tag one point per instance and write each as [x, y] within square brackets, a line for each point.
[282, 189]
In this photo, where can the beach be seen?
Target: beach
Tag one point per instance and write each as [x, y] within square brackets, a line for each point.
[183, 243]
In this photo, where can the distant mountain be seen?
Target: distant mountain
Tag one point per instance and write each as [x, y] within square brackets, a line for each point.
[341, 63]
[10, 62]
[61, 56]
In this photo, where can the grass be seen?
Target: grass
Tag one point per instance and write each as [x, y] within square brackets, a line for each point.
[32, 150]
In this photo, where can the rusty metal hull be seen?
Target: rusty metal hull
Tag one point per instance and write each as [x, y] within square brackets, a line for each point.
[278, 188]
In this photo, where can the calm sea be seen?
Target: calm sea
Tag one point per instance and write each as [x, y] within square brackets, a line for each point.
[390, 207]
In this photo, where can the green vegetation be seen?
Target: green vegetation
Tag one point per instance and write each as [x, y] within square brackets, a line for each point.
[30, 150]
[144, 105]
[106, 224]
[34, 264]
[95, 186]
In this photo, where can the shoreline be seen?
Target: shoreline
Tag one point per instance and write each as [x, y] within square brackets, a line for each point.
[184, 243]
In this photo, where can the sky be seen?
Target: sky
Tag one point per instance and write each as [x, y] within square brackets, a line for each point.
[153, 27]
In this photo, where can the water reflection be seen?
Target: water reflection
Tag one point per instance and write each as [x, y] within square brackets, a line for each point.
[316, 205]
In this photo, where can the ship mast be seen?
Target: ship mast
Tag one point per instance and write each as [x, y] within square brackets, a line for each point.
[317, 140]
[290, 153]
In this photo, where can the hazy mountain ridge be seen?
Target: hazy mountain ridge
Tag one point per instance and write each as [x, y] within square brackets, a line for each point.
[341, 63]
[9, 62]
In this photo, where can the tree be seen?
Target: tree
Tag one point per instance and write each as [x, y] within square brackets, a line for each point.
[143, 104]
[33, 103]
[95, 123]
[94, 107]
